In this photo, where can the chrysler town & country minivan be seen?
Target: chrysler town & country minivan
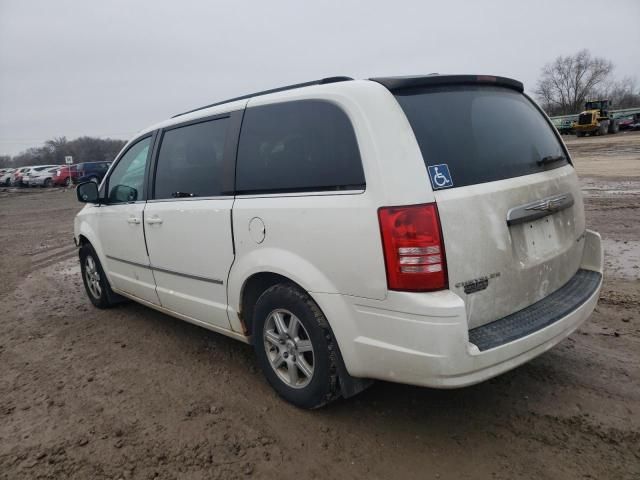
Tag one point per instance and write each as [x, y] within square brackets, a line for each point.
[426, 230]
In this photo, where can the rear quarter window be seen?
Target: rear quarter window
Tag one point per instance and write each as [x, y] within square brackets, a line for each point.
[298, 146]
[481, 133]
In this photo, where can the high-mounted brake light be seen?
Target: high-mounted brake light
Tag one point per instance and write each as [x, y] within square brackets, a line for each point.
[413, 248]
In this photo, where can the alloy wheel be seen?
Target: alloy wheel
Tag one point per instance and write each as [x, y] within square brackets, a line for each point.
[288, 348]
[93, 277]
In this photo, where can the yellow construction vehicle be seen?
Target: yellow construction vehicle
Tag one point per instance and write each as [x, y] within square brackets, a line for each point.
[596, 119]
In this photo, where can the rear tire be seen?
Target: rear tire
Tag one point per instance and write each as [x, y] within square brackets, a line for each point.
[68, 182]
[295, 347]
[47, 182]
[95, 281]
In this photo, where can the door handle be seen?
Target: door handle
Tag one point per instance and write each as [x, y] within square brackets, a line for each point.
[154, 221]
[134, 220]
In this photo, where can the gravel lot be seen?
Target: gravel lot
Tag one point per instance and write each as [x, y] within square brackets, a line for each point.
[132, 393]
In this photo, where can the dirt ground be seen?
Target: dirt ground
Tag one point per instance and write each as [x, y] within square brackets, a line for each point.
[131, 393]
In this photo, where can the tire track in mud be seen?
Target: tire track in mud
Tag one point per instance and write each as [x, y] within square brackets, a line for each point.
[579, 435]
[620, 300]
[52, 255]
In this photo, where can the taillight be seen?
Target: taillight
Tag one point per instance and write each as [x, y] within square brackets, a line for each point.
[413, 248]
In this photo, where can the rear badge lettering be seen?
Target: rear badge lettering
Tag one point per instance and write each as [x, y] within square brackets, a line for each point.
[477, 284]
[440, 176]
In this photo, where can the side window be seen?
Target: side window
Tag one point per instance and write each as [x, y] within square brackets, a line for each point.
[126, 182]
[303, 145]
[190, 161]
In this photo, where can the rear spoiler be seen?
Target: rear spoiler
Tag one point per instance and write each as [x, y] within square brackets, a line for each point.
[401, 83]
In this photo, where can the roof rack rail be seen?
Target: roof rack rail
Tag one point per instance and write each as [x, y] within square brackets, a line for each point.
[322, 81]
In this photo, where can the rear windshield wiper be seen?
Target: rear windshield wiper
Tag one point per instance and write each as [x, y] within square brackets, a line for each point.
[551, 159]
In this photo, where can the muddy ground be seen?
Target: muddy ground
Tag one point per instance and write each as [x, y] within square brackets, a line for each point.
[131, 393]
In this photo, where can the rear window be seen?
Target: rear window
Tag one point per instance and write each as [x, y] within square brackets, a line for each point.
[480, 133]
[305, 145]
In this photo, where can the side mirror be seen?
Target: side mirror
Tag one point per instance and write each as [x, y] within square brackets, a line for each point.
[87, 192]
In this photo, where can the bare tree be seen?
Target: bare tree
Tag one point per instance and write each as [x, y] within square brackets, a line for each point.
[568, 81]
[622, 93]
[57, 149]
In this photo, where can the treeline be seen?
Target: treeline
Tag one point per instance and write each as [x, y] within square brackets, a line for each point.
[83, 149]
[569, 81]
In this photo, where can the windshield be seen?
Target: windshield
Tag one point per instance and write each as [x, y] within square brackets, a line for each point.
[481, 133]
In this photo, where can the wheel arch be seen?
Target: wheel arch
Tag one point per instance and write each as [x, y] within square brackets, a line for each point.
[82, 240]
[258, 283]
[84, 234]
[269, 262]
[252, 288]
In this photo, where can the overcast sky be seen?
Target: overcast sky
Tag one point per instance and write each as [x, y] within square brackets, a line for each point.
[110, 68]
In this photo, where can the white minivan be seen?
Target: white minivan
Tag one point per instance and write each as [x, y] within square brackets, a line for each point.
[426, 230]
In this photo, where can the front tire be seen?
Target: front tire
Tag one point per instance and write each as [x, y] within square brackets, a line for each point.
[603, 128]
[94, 279]
[295, 347]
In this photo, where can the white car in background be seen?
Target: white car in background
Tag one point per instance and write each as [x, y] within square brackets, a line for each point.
[17, 176]
[42, 178]
[5, 177]
[348, 232]
[32, 172]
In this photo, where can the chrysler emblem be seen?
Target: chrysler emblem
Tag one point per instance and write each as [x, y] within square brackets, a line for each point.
[551, 205]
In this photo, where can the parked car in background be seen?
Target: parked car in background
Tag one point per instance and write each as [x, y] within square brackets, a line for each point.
[92, 171]
[625, 123]
[348, 233]
[635, 122]
[26, 176]
[66, 175]
[43, 177]
[5, 176]
[81, 172]
[16, 176]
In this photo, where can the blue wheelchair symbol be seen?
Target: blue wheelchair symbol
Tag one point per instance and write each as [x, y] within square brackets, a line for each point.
[440, 176]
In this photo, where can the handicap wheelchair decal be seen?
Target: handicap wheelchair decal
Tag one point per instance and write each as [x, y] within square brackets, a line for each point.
[440, 176]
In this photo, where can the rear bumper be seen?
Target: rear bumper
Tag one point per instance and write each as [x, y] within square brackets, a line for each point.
[423, 339]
